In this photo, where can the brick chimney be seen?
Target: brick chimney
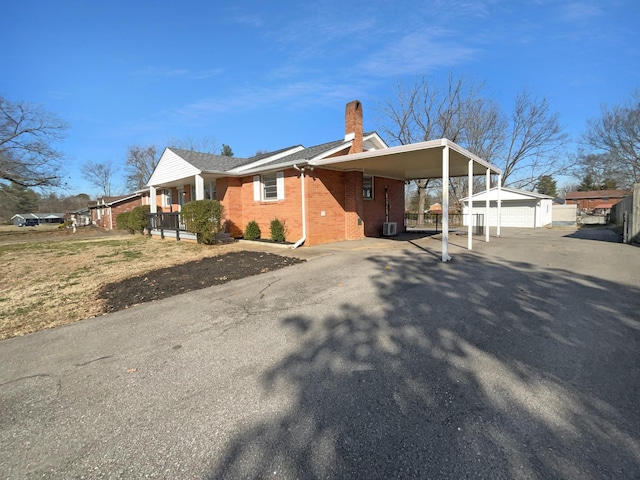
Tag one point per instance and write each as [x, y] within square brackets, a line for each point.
[353, 125]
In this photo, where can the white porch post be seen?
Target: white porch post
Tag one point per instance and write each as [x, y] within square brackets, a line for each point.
[499, 203]
[486, 206]
[199, 187]
[445, 204]
[470, 207]
[153, 203]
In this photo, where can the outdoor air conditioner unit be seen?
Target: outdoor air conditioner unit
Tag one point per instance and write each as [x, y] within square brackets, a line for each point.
[389, 229]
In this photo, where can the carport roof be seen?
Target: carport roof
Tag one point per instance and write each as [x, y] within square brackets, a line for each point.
[408, 162]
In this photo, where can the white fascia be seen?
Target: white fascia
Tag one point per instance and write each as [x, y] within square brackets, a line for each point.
[376, 140]
[262, 161]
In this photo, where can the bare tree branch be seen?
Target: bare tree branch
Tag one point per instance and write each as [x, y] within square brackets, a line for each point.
[27, 135]
[140, 163]
[100, 175]
[615, 137]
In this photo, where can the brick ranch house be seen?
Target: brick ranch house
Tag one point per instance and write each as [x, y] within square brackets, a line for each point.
[596, 199]
[316, 204]
[105, 210]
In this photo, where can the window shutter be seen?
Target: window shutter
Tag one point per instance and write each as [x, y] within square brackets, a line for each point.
[280, 183]
[256, 188]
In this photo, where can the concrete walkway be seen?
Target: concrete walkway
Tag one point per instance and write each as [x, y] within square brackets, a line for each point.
[371, 360]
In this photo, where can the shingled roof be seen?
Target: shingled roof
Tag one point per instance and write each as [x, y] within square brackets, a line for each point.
[208, 162]
[306, 154]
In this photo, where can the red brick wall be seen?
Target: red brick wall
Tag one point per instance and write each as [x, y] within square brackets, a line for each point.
[354, 221]
[108, 219]
[229, 194]
[287, 210]
[334, 206]
[374, 210]
[325, 194]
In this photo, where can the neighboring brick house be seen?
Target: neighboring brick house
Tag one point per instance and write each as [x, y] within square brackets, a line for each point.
[105, 210]
[588, 201]
[316, 204]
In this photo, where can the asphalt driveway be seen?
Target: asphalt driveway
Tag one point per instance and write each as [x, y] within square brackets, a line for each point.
[371, 360]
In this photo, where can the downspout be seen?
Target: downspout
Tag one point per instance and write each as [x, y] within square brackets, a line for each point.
[304, 214]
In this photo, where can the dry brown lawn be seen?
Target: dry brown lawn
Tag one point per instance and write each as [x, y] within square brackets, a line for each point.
[56, 281]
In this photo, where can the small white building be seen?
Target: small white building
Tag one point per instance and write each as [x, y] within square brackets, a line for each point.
[519, 208]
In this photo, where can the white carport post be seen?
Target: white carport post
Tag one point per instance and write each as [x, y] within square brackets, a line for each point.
[153, 201]
[499, 203]
[470, 207]
[445, 203]
[199, 187]
[486, 205]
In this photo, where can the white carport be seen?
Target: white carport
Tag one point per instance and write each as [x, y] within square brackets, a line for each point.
[433, 159]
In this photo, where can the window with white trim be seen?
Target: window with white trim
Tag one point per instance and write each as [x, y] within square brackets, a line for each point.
[210, 190]
[268, 187]
[367, 187]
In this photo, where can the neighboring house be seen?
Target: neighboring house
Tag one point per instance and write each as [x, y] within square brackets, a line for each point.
[32, 219]
[588, 201]
[519, 208]
[105, 210]
[317, 204]
[81, 217]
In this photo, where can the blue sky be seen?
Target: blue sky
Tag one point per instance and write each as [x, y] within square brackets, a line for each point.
[263, 75]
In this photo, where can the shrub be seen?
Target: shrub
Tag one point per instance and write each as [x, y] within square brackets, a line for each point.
[122, 221]
[204, 218]
[138, 218]
[252, 232]
[277, 230]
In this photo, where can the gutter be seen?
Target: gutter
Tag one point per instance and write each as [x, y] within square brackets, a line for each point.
[304, 213]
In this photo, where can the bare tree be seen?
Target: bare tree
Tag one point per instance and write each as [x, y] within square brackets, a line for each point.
[525, 145]
[615, 137]
[456, 111]
[99, 175]
[27, 135]
[140, 164]
[535, 139]
[202, 145]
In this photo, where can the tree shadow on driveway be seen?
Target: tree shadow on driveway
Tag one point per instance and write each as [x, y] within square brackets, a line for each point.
[476, 369]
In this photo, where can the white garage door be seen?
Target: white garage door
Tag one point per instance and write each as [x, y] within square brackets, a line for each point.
[518, 216]
[514, 214]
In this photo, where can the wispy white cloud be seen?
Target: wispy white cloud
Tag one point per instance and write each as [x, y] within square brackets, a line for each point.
[288, 95]
[166, 72]
[249, 19]
[417, 52]
[580, 11]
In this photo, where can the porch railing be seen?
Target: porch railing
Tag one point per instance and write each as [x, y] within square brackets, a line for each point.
[162, 221]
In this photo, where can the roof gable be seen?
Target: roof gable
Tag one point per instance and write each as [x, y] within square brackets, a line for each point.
[170, 167]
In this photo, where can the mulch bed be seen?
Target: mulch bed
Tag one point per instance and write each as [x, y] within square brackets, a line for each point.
[167, 282]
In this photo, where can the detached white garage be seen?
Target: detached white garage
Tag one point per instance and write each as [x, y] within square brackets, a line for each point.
[519, 208]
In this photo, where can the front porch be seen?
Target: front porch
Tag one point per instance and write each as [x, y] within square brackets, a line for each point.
[168, 225]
